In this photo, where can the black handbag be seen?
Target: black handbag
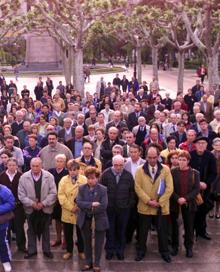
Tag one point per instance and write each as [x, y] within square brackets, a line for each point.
[6, 217]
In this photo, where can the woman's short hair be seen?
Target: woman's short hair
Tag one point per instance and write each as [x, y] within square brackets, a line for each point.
[170, 155]
[72, 164]
[91, 170]
[184, 154]
[11, 159]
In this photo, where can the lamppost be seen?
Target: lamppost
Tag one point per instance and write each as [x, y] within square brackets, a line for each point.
[135, 63]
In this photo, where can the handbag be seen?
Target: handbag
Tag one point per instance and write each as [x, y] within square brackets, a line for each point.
[4, 218]
[198, 199]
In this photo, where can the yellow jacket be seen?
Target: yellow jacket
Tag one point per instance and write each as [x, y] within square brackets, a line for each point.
[146, 189]
[84, 165]
[67, 193]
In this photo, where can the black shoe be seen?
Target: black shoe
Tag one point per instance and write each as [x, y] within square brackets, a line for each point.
[49, 255]
[166, 258]
[120, 257]
[205, 236]
[109, 256]
[189, 253]
[174, 251]
[29, 255]
[139, 257]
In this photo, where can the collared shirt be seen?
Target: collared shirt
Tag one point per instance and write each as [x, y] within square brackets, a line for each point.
[134, 166]
[78, 148]
[10, 176]
[152, 170]
[117, 175]
[36, 177]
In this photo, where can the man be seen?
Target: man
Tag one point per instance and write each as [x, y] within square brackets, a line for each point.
[203, 161]
[67, 132]
[45, 111]
[141, 95]
[116, 122]
[206, 108]
[38, 90]
[37, 192]
[116, 81]
[141, 130]
[215, 123]
[31, 151]
[155, 106]
[62, 89]
[23, 133]
[76, 143]
[167, 102]
[180, 134]
[130, 140]
[196, 126]
[171, 127]
[10, 178]
[18, 123]
[100, 87]
[49, 152]
[25, 93]
[120, 186]
[92, 119]
[205, 132]
[80, 121]
[15, 151]
[108, 113]
[188, 145]
[177, 108]
[106, 147]
[153, 203]
[155, 138]
[87, 158]
[196, 87]
[133, 116]
[124, 83]
[133, 85]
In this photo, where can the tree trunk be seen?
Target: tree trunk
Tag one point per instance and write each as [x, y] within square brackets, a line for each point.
[139, 63]
[213, 75]
[181, 62]
[154, 53]
[67, 63]
[78, 71]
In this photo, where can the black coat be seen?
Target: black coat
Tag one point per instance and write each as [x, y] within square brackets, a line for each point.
[193, 189]
[121, 195]
[133, 119]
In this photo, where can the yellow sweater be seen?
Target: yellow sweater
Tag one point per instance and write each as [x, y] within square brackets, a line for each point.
[67, 193]
[146, 190]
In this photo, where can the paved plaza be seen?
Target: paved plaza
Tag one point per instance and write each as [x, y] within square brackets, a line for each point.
[206, 258]
[167, 80]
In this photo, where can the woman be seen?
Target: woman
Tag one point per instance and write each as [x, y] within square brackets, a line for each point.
[92, 201]
[100, 135]
[186, 187]
[67, 193]
[172, 159]
[171, 146]
[58, 172]
[55, 122]
[7, 202]
[42, 127]
[8, 131]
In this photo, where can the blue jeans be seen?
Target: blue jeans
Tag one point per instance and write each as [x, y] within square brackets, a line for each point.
[5, 252]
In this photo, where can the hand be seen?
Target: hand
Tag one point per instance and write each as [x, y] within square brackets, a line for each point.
[34, 206]
[40, 206]
[181, 201]
[75, 209]
[203, 185]
[95, 204]
[153, 203]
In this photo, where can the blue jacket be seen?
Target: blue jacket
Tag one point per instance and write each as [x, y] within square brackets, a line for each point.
[7, 202]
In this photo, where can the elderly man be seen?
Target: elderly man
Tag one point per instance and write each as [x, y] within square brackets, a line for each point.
[18, 123]
[133, 116]
[49, 152]
[67, 132]
[106, 147]
[130, 139]
[120, 187]
[154, 187]
[37, 192]
[87, 158]
[141, 130]
[116, 122]
[215, 124]
[188, 145]
[23, 133]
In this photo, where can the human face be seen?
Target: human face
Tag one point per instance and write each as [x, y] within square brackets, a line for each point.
[201, 146]
[73, 172]
[27, 126]
[4, 158]
[137, 107]
[118, 166]
[183, 163]
[99, 135]
[116, 151]
[130, 139]
[113, 134]
[67, 123]
[216, 146]
[9, 143]
[134, 154]
[92, 180]
[12, 166]
[36, 167]
[100, 118]
[181, 128]
[142, 122]
[117, 117]
[171, 145]
[87, 150]
[191, 136]
[154, 135]
[152, 157]
[203, 126]
[60, 163]
[32, 142]
[7, 131]
[78, 133]
[52, 140]
[174, 161]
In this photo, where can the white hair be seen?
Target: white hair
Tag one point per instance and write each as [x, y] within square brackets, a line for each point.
[118, 158]
[60, 156]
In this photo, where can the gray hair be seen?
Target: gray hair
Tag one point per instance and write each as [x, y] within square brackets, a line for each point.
[60, 156]
[118, 158]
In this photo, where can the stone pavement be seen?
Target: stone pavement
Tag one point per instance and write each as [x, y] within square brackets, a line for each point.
[167, 80]
[206, 258]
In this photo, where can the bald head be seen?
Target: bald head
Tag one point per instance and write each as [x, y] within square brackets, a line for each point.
[36, 166]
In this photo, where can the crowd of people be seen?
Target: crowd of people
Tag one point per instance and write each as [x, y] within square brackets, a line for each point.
[110, 166]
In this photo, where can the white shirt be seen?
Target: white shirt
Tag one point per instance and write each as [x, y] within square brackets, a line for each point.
[151, 172]
[10, 176]
[134, 166]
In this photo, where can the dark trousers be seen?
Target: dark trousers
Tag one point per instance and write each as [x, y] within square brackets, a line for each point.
[5, 253]
[17, 225]
[188, 222]
[161, 223]
[87, 238]
[32, 237]
[116, 234]
[68, 234]
[132, 225]
[200, 220]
